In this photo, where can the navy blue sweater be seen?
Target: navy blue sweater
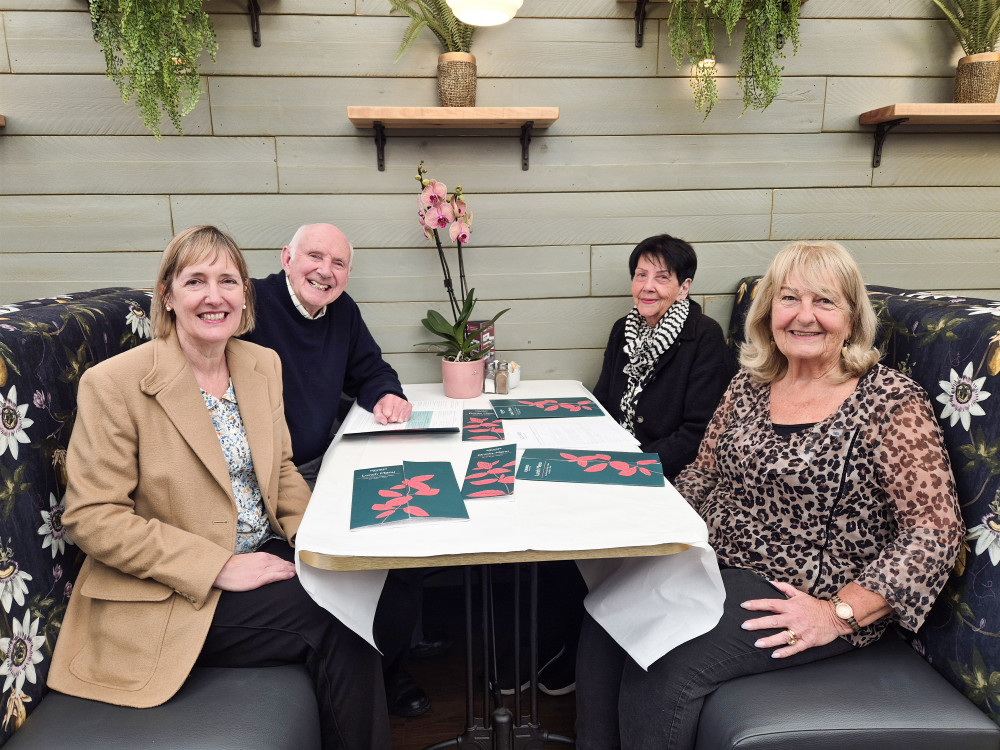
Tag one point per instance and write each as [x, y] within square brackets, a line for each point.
[320, 360]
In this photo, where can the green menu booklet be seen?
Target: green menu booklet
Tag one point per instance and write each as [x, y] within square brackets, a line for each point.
[548, 465]
[481, 424]
[417, 489]
[490, 472]
[546, 408]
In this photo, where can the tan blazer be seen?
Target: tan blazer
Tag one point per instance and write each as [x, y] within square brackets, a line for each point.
[150, 501]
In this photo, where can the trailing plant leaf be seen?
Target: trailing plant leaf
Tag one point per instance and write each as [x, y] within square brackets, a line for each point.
[770, 25]
[976, 23]
[452, 34]
[151, 51]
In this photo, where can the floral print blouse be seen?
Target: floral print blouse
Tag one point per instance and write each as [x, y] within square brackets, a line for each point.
[252, 525]
[866, 495]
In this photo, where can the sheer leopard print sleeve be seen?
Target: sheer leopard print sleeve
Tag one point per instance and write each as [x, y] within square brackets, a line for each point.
[914, 470]
[697, 480]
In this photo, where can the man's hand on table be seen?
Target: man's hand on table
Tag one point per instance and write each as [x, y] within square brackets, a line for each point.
[392, 409]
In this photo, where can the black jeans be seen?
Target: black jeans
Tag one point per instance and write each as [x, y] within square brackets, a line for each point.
[620, 705]
[280, 624]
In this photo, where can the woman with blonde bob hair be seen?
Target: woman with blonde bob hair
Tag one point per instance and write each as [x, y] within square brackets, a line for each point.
[828, 497]
[191, 246]
[815, 263]
[182, 492]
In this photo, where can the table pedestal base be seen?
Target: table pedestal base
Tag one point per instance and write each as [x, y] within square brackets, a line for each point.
[499, 728]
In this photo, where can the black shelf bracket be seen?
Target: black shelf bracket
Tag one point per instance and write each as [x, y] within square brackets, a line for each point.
[380, 139]
[881, 131]
[253, 8]
[640, 20]
[525, 141]
[380, 144]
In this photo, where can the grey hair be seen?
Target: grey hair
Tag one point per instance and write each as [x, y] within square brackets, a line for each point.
[294, 242]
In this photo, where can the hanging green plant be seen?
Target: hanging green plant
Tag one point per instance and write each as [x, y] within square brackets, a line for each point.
[151, 50]
[770, 25]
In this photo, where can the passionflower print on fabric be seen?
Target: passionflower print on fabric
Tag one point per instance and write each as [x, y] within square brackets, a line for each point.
[987, 534]
[138, 320]
[52, 528]
[13, 580]
[13, 422]
[16, 713]
[962, 396]
[993, 309]
[21, 652]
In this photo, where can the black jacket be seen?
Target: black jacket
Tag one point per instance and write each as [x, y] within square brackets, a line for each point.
[677, 403]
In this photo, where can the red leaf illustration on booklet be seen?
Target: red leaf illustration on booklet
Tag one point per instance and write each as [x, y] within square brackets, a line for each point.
[490, 472]
[481, 424]
[546, 408]
[417, 489]
[546, 465]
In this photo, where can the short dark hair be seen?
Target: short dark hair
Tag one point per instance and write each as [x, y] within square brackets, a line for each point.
[676, 255]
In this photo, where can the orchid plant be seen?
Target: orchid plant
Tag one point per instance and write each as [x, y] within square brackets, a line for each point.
[437, 212]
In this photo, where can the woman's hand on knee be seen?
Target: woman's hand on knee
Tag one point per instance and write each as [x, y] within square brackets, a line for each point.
[804, 620]
[253, 570]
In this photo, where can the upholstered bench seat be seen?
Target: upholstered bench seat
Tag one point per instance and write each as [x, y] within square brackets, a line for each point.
[885, 697]
[267, 708]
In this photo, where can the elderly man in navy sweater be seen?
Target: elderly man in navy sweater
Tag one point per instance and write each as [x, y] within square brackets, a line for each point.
[325, 347]
[305, 315]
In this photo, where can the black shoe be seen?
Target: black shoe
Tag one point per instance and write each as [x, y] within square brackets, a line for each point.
[404, 696]
[431, 645]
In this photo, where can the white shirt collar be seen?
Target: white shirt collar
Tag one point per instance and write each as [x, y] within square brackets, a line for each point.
[299, 306]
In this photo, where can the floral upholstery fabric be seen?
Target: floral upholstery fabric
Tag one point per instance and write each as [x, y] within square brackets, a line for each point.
[951, 346]
[45, 346]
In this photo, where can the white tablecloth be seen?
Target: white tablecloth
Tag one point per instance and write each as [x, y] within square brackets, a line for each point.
[648, 604]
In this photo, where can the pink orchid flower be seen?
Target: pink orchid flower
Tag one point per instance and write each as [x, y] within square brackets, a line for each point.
[439, 216]
[459, 232]
[435, 193]
[420, 219]
[458, 206]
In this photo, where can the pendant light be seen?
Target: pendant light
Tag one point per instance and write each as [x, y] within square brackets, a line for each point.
[484, 12]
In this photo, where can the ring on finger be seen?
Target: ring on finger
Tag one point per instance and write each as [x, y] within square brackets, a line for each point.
[792, 637]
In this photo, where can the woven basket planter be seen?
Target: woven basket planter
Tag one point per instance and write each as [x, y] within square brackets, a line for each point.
[457, 79]
[977, 78]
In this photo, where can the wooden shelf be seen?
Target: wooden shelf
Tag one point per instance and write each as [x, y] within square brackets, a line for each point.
[452, 118]
[945, 113]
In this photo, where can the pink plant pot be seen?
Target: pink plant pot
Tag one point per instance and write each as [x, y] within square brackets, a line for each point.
[462, 379]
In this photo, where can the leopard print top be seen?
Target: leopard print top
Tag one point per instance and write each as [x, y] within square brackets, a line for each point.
[866, 495]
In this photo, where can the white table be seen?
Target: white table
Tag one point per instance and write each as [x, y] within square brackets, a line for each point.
[648, 599]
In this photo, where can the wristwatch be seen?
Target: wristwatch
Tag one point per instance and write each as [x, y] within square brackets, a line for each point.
[845, 612]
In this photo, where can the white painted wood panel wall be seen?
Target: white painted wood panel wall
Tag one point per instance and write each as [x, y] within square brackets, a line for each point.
[88, 198]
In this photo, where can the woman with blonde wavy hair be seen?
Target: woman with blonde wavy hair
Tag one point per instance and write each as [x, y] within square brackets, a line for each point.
[829, 500]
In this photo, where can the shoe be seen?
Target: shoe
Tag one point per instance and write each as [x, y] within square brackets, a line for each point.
[404, 695]
[527, 683]
[558, 676]
[431, 645]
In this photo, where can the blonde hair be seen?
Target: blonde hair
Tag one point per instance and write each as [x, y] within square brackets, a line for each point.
[191, 246]
[816, 264]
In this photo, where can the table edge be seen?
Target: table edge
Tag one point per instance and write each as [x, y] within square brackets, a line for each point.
[358, 562]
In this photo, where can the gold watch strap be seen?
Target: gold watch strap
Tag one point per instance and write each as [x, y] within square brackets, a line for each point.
[849, 620]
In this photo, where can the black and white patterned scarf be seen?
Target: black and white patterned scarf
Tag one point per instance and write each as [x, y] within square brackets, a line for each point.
[643, 347]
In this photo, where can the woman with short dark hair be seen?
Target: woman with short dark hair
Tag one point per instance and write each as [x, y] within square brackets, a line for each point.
[666, 364]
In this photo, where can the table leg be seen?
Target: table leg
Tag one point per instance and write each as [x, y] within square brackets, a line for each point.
[499, 728]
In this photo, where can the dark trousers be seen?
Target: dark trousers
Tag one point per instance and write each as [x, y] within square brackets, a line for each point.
[280, 624]
[620, 705]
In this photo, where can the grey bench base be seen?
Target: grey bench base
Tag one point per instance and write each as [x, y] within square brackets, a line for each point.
[266, 708]
[884, 697]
